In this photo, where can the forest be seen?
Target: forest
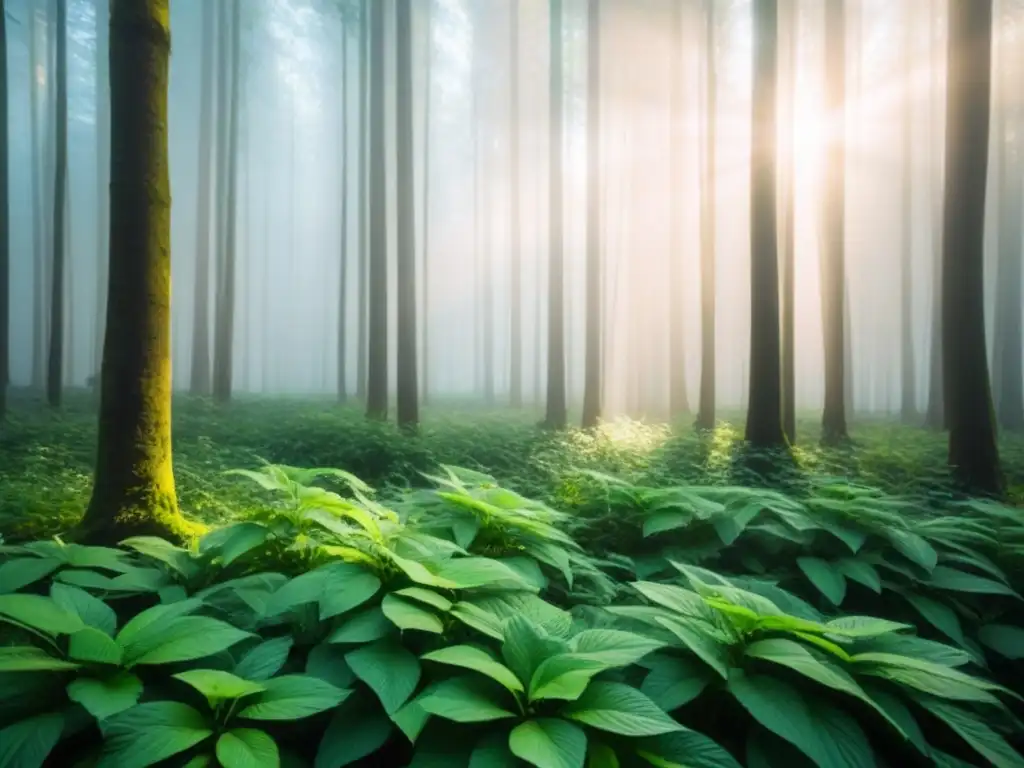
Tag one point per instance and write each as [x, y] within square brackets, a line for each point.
[554, 383]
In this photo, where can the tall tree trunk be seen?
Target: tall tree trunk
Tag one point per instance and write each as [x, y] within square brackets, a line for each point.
[39, 287]
[342, 350]
[833, 265]
[5, 231]
[592, 380]
[764, 414]
[377, 361]
[936, 416]
[200, 377]
[679, 403]
[425, 277]
[362, 276]
[55, 360]
[102, 174]
[408, 388]
[224, 327]
[791, 14]
[556, 414]
[709, 168]
[908, 368]
[973, 453]
[515, 223]
[133, 492]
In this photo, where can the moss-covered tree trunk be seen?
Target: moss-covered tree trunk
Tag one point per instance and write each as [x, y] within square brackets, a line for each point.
[133, 490]
[764, 413]
[706, 409]
[55, 351]
[5, 232]
[407, 395]
[973, 454]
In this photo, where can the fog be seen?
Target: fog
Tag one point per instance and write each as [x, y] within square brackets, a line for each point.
[298, 218]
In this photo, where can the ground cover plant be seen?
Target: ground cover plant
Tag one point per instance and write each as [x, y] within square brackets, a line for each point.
[629, 597]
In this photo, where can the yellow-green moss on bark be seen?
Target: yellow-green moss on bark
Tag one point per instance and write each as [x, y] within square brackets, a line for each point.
[133, 491]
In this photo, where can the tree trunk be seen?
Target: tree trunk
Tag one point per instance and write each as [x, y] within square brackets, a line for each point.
[39, 270]
[425, 277]
[515, 224]
[5, 231]
[973, 453]
[592, 380]
[709, 167]
[408, 387]
[833, 264]
[102, 174]
[200, 377]
[764, 414]
[936, 416]
[55, 358]
[908, 368]
[224, 328]
[679, 403]
[133, 492]
[342, 349]
[556, 415]
[362, 276]
[377, 361]
[789, 228]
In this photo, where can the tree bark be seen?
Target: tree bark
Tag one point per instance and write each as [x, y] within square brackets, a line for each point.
[408, 388]
[377, 360]
[102, 174]
[55, 359]
[342, 349]
[515, 224]
[908, 368]
[592, 380]
[5, 220]
[708, 218]
[362, 276]
[936, 415]
[425, 277]
[133, 492]
[789, 229]
[39, 269]
[556, 415]
[973, 453]
[679, 403]
[764, 414]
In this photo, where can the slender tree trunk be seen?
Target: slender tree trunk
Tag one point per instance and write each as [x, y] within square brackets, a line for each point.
[425, 278]
[5, 231]
[362, 276]
[973, 453]
[709, 166]
[342, 371]
[102, 174]
[55, 361]
[200, 377]
[377, 361]
[39, 270]
[908, 369]
[936, 416]
[792, 13]
[133, 492]
[556, 410]
[515, 223]
[834, 269]
[592, 381]
[679, 403]
[764, 415]
[408, 387]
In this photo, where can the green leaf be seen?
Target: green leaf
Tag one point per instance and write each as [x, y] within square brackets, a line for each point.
[953, 580]
[327, 662]
[619, 709]
[472, 572]
[613, 647]
[15, 574]
[685, 749]
[27, 658]
[159, 549]
[247, 748]
[91, 610]
[1004, 639]
[346, 589]
[478, 660]
[492, 751]
[601, 756]
[293, 697]
[363, 627]
[564, 676]
[549, 743]
[914, 548]
[940, 616]
[147, 628]
[972, 729]
[463, 700]
[527, 646]
[674, 682]
[265, 660]
[391, 671]
[407, 615]
[104, 697]
[662, 522]
[40, 613]
[428, 596]
[217, 685]
[238, 540]
[305, 588]
[189, 638]
[824, 577]
[27, 743]
[706, 648]
[864, 626]
[353, 733]
[148, 733]
[88, 644]
[861, 572]
[411, 719]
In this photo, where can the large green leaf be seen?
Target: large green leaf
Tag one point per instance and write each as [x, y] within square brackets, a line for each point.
[928, 677]
[527, 646]
[247, 748]
[493, 751]
[237, 540]
[91, 610]
[549, 743]
[363, 627]
[165, 552]
[944, 577]
[40, 613]
[353, 733]
[564, 676]
[265, 660]
[463, 700]
[147, 628]
[292, 697]
[479, 660]
[428, 596]
[391, 671]
[346, 589]
[16, 574]
[108, 696]
[939, 615]
[826, 578]
[619, 709]
[1004, 639]
[613, 647]
[972, 728]
[188, 638]
[217, 685]
[685, 749]
[705, 647]
[327, 662]
[406, 614]
[861, 572]
[914, 548]
[471, 572]
[674, 682]
[149, 733]
[27, 744]
[864, 626]
[27, 658]
[91, 645]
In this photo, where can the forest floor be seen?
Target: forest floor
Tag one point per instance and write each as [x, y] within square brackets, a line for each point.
[46, 456]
